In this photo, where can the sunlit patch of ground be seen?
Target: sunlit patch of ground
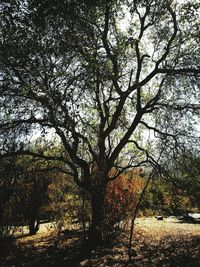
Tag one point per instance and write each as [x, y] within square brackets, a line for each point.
[167, 226]
[169, 242]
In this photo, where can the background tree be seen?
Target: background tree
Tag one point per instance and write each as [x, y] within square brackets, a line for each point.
[9, 172]
[32, 193]
[72, 69]
[8, 175]
[182, 180]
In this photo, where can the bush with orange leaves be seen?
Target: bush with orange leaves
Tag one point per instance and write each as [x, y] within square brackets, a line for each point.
[122, 196]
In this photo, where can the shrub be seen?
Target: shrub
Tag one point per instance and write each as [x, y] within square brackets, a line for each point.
[121, 198]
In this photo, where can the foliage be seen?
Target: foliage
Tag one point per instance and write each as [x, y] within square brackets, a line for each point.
[165, 197]
[122, 196]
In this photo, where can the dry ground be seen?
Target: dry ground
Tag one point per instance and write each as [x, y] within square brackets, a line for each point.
[167, 243]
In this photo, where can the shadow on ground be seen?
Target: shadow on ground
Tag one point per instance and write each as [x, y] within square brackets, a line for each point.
[69, 251]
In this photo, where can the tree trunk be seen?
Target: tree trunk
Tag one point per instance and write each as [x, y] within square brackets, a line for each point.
[83, 216]
[97, 228]
[33, 226]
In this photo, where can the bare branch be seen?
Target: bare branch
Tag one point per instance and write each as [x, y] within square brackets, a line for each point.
[191, 71]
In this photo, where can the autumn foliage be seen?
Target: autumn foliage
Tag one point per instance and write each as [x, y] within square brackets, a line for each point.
[122, 195]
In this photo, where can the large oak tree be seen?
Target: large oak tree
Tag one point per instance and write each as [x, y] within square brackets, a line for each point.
[102, 77]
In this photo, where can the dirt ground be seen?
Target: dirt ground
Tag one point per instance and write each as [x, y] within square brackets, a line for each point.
[166, 243]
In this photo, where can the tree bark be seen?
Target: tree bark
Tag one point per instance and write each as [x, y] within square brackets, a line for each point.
[97, 228]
